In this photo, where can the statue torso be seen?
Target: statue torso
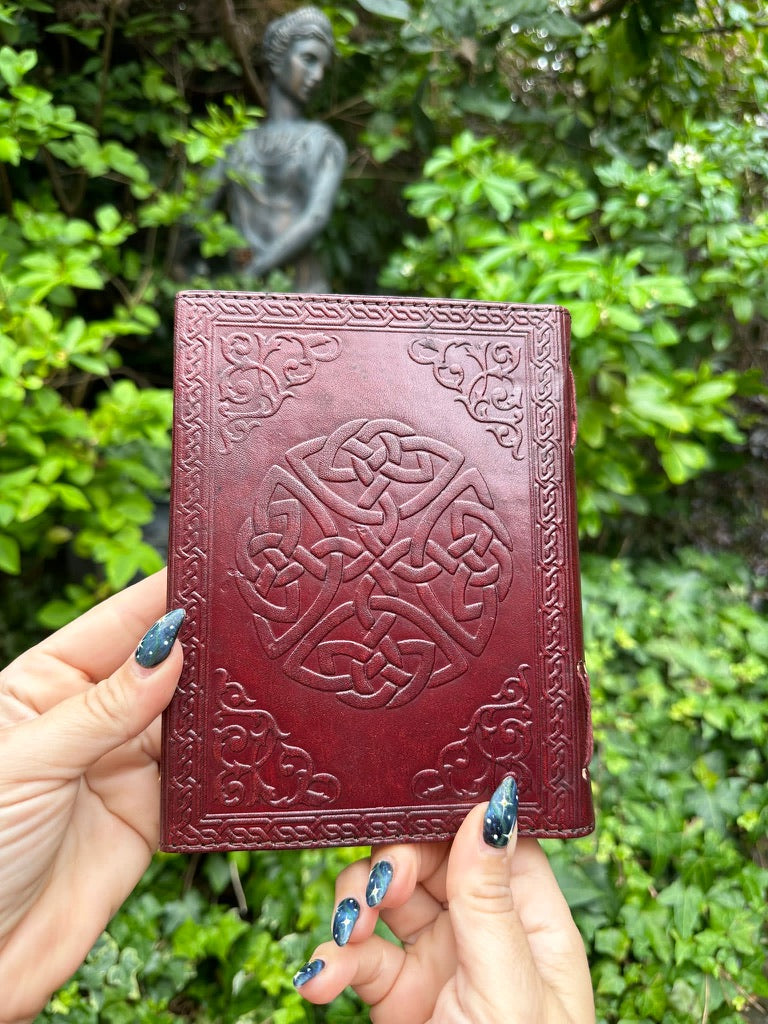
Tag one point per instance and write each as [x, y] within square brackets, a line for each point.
[273, 170]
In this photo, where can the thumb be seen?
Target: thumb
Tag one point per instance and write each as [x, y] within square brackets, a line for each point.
[491, 944]
[73, 735]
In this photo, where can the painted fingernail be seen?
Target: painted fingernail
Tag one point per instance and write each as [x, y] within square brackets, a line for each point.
[308, 972]
[378, 882]
[501, 816]
[156, 644]
[344, 920]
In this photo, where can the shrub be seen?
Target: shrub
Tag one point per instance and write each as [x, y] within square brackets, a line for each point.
[667, 895]
[87, 225]
[658, 266]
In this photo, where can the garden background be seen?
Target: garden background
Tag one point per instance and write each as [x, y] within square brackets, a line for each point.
[609, 155]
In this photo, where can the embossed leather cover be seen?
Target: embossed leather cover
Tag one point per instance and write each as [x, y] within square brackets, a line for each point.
[374, 539]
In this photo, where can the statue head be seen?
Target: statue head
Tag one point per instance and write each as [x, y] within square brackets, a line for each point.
[298, 48]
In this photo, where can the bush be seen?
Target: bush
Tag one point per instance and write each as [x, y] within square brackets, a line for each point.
[657, 266]
[667, 895]
[88, 225]
[610, 157]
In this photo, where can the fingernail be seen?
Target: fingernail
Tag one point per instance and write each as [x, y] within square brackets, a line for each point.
[501, 816]
[308, 972]
[156, 644]
[378, 882]
[344, 920]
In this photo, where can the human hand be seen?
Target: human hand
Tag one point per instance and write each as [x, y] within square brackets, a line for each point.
[79, 786]
[487, 935]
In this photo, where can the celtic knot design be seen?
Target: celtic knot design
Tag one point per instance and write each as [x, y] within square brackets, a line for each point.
[264, 370]
[258, 765]
[482, 372]
[496, 740]
[374, 563]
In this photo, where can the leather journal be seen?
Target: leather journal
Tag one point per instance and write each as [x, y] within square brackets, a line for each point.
[373, 535]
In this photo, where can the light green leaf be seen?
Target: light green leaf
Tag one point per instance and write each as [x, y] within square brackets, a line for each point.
[682, 460]
[10, 151]
[10, 556]
[585, 317]
[397, 10]
[107, 217]
[743, 308]
[623, 318]
[711, 392]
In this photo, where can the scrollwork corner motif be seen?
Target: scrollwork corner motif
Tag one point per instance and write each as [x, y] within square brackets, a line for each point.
[496, 741]
[481, 372]
[265, 369]
[257, 764]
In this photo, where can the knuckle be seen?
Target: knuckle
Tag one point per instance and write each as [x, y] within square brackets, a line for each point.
[488, 896]
[109, 704]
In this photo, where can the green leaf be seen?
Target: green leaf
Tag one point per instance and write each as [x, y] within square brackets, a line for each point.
[743, 308]
[10, 151]
[623, 317]
[649, 399]
[107, 217]
[10, 556]
[585, 317]
[397, 10]
[13, 65]
[687, 902]
[35, 500]
[682, 460]
[71, 497]
[711, 392]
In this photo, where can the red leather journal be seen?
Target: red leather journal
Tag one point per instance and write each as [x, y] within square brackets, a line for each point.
[373, 536]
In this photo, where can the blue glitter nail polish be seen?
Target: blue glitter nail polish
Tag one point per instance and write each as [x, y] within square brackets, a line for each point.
[501, 816]
[378, 882]
[156, 644]
[308, 972]
[344, 920]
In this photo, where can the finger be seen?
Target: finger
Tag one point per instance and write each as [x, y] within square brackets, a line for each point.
[77, 732]
[371, 968]
[362, 892]
[555, 942]
[397, 986]
[101, 639]
[410, 865]
[490, 940]
[352, 919]
[492, 936]
[407, 884]
[409, 921]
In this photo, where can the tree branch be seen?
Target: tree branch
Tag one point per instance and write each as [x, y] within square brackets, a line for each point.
[604, 11]
[235, 40]
[713, 30]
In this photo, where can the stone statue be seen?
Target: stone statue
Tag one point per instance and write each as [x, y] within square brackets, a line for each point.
[281, 178]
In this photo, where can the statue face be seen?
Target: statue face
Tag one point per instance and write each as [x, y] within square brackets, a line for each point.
[303, 67]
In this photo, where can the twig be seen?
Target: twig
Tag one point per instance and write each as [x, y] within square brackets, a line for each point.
[608, 8]
[713, 30]
[237, 886]
[233, 37]
[5, 186]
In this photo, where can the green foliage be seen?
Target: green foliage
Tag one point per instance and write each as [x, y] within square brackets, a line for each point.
[608, 157]
[652, 311]
[669, 900]
[613, 164]
[180, 946]
[88, 217]
[667, 895]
